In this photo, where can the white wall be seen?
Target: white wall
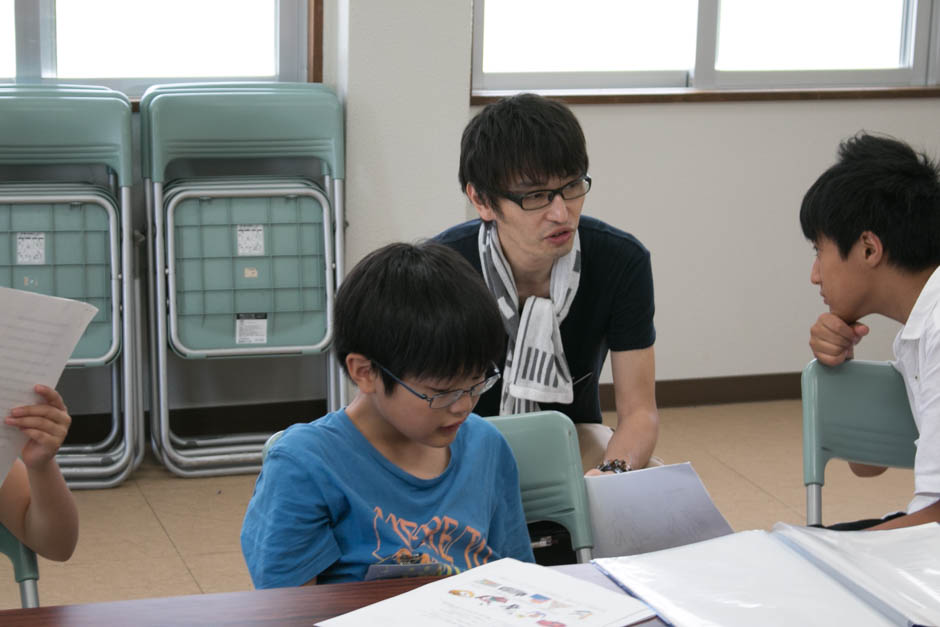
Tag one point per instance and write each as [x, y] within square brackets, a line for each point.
[713, 189]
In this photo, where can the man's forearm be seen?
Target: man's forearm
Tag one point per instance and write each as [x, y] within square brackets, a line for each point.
[635, 438]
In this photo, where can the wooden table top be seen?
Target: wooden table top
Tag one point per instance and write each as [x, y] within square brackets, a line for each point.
[281, 606]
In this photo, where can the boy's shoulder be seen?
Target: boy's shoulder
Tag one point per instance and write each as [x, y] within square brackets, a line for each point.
[320, 434]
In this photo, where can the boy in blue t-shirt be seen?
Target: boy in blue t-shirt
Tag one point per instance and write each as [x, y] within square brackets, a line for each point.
[405, 474]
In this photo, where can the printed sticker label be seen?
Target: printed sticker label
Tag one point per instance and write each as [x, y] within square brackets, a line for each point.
[30, 249]
[250, 240]
[251, 328]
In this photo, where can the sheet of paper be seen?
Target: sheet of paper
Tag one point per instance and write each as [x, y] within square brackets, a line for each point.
[589, 572]
[651, 509]
[37, 335]
[739, 580]
[898, 569]
[502, 593]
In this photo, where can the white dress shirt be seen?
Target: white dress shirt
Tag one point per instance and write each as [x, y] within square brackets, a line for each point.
[917, 354]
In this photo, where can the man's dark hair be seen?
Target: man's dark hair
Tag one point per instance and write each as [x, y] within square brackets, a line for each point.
[882, 185]
[420, 311]
[524, 137]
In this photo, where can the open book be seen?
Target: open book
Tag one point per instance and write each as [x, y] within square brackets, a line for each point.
[506, 592]
[791, 576]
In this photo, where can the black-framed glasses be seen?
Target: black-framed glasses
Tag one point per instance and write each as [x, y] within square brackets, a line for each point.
[446, 399]
[541, 198]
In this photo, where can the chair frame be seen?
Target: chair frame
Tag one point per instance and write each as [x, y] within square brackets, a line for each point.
[872, 423]
[554, 491]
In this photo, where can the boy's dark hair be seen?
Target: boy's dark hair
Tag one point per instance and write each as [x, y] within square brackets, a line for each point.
[420, 311]
[880, 185]
[524, 137]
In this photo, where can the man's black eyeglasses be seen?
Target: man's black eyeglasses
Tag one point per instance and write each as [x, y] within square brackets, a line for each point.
[541, 198]
[446, 399]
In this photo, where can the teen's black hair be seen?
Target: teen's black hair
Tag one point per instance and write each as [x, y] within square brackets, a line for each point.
[525, 137]
[421, 311]
[882, 185]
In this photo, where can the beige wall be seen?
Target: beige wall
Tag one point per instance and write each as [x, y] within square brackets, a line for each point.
[713, 189]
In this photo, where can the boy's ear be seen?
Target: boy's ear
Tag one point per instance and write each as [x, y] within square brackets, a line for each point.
[361, 372]
[872, 249]
[486, 212]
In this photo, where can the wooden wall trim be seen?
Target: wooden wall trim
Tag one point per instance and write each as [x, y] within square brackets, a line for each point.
[715, 390]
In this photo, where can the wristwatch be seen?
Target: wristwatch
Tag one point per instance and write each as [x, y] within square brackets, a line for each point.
[615, 465]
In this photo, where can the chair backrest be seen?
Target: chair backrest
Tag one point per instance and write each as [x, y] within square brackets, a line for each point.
[292, 120]
[545, 445]
[25, 568]
[48, 125]
[858, 411]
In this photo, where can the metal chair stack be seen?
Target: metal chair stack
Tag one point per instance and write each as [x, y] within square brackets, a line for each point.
[65, 230]
[244, 261]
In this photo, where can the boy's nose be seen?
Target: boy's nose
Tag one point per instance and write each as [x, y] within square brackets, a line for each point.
[463, 406]
[814, 273]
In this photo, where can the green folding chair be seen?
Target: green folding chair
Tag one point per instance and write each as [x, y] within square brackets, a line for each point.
[545, 445]
[857, 411]
[25, 568]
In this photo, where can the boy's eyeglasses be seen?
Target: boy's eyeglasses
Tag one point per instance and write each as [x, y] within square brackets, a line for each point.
[446, 399]
[541, 198]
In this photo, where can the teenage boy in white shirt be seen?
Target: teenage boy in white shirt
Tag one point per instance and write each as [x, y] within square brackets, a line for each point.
[874, 220]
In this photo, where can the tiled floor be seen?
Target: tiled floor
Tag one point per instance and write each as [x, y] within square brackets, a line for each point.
[158, 535]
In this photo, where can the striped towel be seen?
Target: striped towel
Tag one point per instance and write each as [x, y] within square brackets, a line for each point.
[536, 369]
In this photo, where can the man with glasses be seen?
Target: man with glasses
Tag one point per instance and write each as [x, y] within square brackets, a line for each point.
[405, 480]
[569, 287]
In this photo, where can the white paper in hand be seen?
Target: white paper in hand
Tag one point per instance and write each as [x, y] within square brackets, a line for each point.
[37, 335]
[651, 509]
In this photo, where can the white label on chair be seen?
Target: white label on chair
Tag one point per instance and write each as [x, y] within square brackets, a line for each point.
[251, 328]
[250, 240]
[31, 249]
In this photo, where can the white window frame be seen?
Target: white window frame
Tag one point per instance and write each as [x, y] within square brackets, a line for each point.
[921, 55]
[36, 49]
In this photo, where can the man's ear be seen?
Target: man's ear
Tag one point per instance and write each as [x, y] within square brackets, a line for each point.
[872, 249]
[361, 372]
[486, 212]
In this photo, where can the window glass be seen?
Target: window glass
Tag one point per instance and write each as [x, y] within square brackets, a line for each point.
[588, 36]
[170, 38]
[7, 40]
[760, 35]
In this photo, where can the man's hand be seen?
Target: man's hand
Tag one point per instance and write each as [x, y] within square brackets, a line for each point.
[833, 340]
[45, 425]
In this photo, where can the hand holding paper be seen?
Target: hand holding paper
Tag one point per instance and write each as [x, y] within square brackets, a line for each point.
[37, 335]
[45, 425]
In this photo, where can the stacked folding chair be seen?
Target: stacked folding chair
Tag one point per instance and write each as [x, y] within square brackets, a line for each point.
[65, 230]
[244, 264]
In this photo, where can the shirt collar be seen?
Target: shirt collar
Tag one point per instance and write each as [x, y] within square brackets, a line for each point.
[926, 301]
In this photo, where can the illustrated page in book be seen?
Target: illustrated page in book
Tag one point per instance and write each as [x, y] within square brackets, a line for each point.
[651, 509]
[37, 335]
[744, 579]
[506, 592]
[897, 569]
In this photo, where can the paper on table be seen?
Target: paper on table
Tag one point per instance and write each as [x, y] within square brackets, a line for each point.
[37, 335]
[743, 579]
[897, 570]
[651, 509]
[505, 592]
